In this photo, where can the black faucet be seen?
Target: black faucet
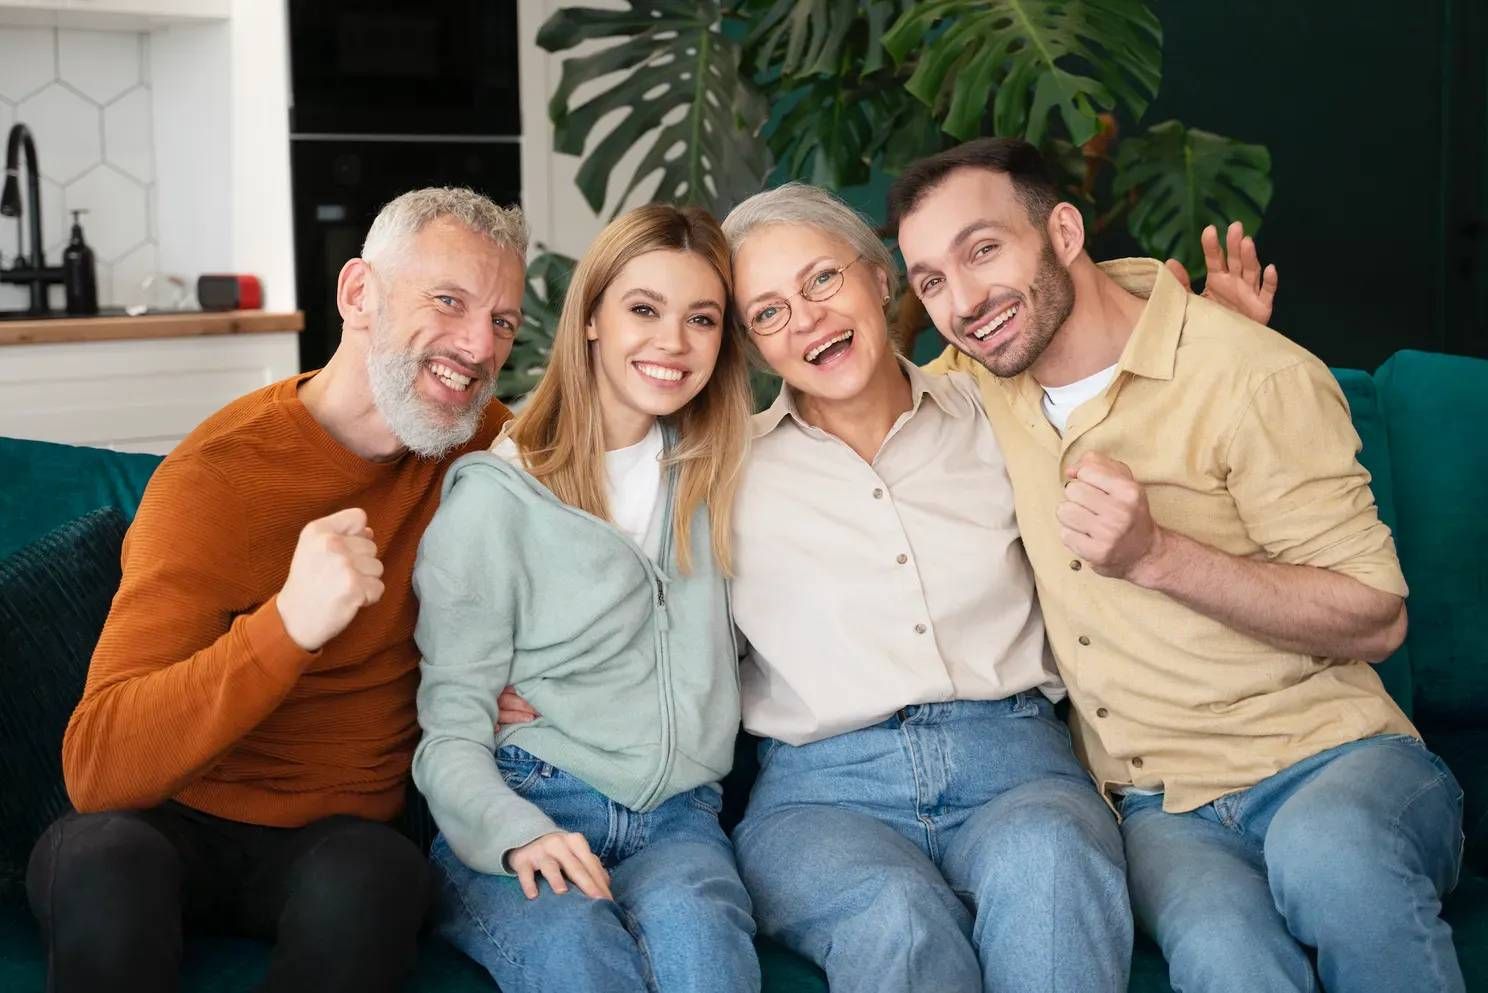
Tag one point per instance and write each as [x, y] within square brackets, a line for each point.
[33, 272]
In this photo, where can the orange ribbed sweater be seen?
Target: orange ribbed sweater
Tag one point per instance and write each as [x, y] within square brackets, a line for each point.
[195, 691]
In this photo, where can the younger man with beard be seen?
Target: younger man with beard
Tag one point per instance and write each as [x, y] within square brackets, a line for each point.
[249, 718]
[1215, 581]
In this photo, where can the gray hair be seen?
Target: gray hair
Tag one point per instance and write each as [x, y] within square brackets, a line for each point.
[404, 217]
[801, 203]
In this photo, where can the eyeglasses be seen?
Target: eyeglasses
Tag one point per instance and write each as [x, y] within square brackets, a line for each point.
[819, 286]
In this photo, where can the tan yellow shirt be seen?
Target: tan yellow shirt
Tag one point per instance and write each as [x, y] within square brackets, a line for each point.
[1243, 441]
[864, 587]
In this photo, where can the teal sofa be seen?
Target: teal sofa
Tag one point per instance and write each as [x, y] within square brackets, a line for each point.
[1420, 416]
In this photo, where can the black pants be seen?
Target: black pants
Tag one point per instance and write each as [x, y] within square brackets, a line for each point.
[342, 899]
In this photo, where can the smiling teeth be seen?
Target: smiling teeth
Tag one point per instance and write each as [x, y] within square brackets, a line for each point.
[991, 329]
[659, 372]
[811, 356]
[449, 377]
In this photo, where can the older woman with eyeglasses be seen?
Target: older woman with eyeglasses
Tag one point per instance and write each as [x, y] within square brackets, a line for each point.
[920, 821]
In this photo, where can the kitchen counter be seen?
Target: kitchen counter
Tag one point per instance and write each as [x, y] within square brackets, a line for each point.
[160, 325]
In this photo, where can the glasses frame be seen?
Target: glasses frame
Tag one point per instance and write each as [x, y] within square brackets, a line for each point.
[804, 294]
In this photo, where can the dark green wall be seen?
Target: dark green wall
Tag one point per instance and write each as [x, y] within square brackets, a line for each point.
[1376, 120]
[1376, 116]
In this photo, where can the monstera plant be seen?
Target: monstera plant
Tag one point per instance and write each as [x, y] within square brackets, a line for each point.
[726, 96]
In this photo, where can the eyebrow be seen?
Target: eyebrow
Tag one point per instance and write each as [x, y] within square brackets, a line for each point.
[447, 286]
[801, 274]
[961, 237]
[655, 297]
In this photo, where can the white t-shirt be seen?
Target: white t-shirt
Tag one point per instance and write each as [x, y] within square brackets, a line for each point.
[634, 490]
[1061, 401]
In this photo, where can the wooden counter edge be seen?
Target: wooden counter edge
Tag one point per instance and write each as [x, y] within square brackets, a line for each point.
[182, 325]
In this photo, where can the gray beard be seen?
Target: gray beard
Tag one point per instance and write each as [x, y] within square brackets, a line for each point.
[425, 428]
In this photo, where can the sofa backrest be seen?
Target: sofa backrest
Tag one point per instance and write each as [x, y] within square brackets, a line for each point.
[43, 486]
[1436, 413]
[1369, 420]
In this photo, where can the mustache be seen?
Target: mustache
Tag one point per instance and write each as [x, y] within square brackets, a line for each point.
[960, 323]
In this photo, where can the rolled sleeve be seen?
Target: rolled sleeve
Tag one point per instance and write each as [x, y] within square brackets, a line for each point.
[1294, 473]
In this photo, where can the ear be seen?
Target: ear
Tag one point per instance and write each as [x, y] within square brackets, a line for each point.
[1066, 230]
[882, 279]
[591, 330]
[356, 296]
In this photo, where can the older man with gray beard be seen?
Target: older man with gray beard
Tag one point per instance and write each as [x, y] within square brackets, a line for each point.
[249, 718]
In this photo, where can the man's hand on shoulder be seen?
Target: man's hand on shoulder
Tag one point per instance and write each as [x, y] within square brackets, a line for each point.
[334, 574]
[1234, 278]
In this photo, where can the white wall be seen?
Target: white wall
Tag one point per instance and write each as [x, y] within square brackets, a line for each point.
[262, 224]
[88, 98]
[176, 141]
[560, 217]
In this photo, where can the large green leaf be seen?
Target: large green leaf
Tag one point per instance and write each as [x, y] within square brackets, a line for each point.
[1180, 180]
[815, 37]
[1029, 59]
[547, 284]
[678, 86]
[835, 130]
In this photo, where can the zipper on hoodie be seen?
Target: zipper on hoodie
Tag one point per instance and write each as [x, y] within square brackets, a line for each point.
[665, 702]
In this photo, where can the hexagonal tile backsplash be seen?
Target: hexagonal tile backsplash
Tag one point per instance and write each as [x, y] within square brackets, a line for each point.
[86, 97]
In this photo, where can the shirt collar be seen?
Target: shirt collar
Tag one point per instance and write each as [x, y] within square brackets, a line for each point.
[1152, 349]
[921, 384]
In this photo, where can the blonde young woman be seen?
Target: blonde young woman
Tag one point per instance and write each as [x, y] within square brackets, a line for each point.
[582, 560]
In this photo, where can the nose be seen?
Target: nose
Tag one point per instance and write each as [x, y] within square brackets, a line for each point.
[964, 293]
[805, 315]
[670, 337]
[477, 343]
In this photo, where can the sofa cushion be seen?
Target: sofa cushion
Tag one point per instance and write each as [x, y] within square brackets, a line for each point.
[54, 597]
[1434, 407]
[1364, 407]
[47, 485]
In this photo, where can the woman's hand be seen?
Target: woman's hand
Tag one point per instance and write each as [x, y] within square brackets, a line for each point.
[563, 853]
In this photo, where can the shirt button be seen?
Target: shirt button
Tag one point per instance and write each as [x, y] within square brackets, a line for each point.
[1075, 565]
[878, 493]
[1102, 712]
[1137, 762]
[1084, 640]
[902, 558]
[919, 629]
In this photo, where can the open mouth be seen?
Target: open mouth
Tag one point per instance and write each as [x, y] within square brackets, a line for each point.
[994, 323]
[828, 349]
[451, 378]
[660, 375]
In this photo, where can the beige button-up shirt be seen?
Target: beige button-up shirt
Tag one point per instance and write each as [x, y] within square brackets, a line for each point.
[1243, 441]
[864, 587]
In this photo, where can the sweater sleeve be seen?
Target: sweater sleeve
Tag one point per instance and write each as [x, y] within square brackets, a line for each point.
[467, 615]
[186, 664]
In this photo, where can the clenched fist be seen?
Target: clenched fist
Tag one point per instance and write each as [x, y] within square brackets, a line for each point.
[1104, 518]
[335, 573]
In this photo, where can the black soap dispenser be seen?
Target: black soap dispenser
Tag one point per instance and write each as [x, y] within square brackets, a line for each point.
[80, 274]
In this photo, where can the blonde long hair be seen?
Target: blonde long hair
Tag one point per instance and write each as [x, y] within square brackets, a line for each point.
[560, 432]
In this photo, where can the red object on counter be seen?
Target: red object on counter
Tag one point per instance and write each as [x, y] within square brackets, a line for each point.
[229, 292]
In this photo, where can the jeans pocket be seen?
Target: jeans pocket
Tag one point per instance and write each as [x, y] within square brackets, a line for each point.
[519, 768]
[708, 797]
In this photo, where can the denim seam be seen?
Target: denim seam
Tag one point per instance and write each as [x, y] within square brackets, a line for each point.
[480, 923]
[633, 926]
[1399, 839]
[926, 823]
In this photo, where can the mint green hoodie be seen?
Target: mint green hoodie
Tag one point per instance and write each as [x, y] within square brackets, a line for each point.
[632, 667]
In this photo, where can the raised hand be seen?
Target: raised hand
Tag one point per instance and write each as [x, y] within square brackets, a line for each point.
[1235, 278]
[1104, 517]
[564, 853]
[335, 572]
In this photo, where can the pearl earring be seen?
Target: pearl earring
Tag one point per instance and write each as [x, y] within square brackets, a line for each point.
[885, 301]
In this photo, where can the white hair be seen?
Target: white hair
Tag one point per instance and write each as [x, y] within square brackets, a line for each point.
[812, 206]
[404, 217]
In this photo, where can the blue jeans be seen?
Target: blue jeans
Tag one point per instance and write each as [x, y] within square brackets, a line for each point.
[1348, 852]
[680, 921]
[953, 848]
